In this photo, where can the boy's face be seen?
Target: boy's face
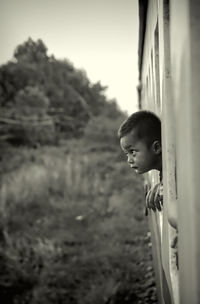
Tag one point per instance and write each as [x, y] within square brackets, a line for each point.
[140, 157]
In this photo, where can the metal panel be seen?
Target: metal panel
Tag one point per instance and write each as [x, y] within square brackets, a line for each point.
[185, 46]
[156, 96]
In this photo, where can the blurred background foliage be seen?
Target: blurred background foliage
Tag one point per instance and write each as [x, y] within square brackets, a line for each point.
[39, 86]
[72, 229]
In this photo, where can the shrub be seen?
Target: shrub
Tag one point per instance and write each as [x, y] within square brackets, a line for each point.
[69, 229]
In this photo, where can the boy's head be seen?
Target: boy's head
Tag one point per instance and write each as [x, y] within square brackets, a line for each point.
[140, 139]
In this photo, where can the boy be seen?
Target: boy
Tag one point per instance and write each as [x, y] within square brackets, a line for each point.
[140, 139]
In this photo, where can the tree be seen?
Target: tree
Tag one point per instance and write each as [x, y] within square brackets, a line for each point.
[38, 84]
[31, 51]
[101, 132]
[27, 122]
[31, 100]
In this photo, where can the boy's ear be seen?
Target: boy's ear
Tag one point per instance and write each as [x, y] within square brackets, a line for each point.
[156, 146]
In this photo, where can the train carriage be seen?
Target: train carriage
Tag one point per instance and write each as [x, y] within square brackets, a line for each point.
[169, 85]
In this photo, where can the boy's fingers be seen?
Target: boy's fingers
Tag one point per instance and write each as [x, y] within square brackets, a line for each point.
[157, 203]
[153, 208]
[150, 200]
[147, 199]
[150, 203]
[153, 199]
[154, 205]
[158, 199]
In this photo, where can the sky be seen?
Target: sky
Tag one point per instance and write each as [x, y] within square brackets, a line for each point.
[99, 36]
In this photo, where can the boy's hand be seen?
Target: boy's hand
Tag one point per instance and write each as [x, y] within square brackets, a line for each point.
[154, 198]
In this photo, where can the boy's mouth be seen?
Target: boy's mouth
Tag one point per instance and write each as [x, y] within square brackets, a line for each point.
[134, 167]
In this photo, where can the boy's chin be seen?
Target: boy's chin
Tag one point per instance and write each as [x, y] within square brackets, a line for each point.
[139, 171]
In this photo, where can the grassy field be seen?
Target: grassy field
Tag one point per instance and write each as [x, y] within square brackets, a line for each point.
[72, 228]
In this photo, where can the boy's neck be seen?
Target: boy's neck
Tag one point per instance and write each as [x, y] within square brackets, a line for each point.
[159, 164]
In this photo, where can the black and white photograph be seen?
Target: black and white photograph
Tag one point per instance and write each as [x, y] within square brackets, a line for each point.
[99, 151]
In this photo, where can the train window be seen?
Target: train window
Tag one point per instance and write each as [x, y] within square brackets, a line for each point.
[156, 66]
[153, 82]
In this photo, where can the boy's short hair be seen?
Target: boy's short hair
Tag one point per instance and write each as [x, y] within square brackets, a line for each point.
[146, 125]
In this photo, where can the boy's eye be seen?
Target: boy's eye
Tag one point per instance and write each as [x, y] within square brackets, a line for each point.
[133, 152]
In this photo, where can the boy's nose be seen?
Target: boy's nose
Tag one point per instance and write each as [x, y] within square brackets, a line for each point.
[130, 159]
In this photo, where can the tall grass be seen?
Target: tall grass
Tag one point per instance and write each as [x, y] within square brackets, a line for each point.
[67, 225]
